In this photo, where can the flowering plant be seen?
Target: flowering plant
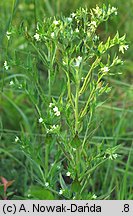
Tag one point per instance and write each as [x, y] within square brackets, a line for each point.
[76, 62]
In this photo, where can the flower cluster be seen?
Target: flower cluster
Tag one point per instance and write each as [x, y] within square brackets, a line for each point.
[8, 35]
[78, 61]
[55, 109]
[97, 12]
[105, 69]
[6, 65]
[55, 22]
[53, 129]
[37, 37]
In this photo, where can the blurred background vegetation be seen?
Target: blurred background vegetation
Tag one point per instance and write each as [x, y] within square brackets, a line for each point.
[16, 111]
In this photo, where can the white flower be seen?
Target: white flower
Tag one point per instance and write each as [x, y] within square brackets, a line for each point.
[68, 174]
[126, 47]
[69, 19]
[82, 79]
[94, 23]
[73, 15]
[122, 48]
[79, 58]
[16, 139]
[55, 109]
[46, 184]
[40, 120]
[97, 11]
[115, 156]
[77, 30]
[47, 130]
[6, 65]
[57, 113]
[8, 34]
[52, 34]
[78, 61]
[113, 9]
[94, 196]
[37, 37]
[11, 83]
[61, 192]
[50, 105]
[55, 22]
[54, 127]
[105, 69]
[74, 149]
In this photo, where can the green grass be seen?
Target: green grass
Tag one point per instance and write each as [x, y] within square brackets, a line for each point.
[18, 115]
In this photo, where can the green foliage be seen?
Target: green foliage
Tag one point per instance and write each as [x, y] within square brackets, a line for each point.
[36, 192]
[70, 45]
[55, 81]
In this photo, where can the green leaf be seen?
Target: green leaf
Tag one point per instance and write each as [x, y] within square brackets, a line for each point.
[2, 190]
[122, 38]
[76, 142]
[107, 45]
[40, 193]
[101, 47]
[76, 187]
[116, 38]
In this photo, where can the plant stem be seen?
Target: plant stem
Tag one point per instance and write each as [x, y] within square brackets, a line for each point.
[76, 112]
[49, 72]
[46, 159]
[77, 101]
[49, 83]
[88, 76]
[69, 88]
[35, 15]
